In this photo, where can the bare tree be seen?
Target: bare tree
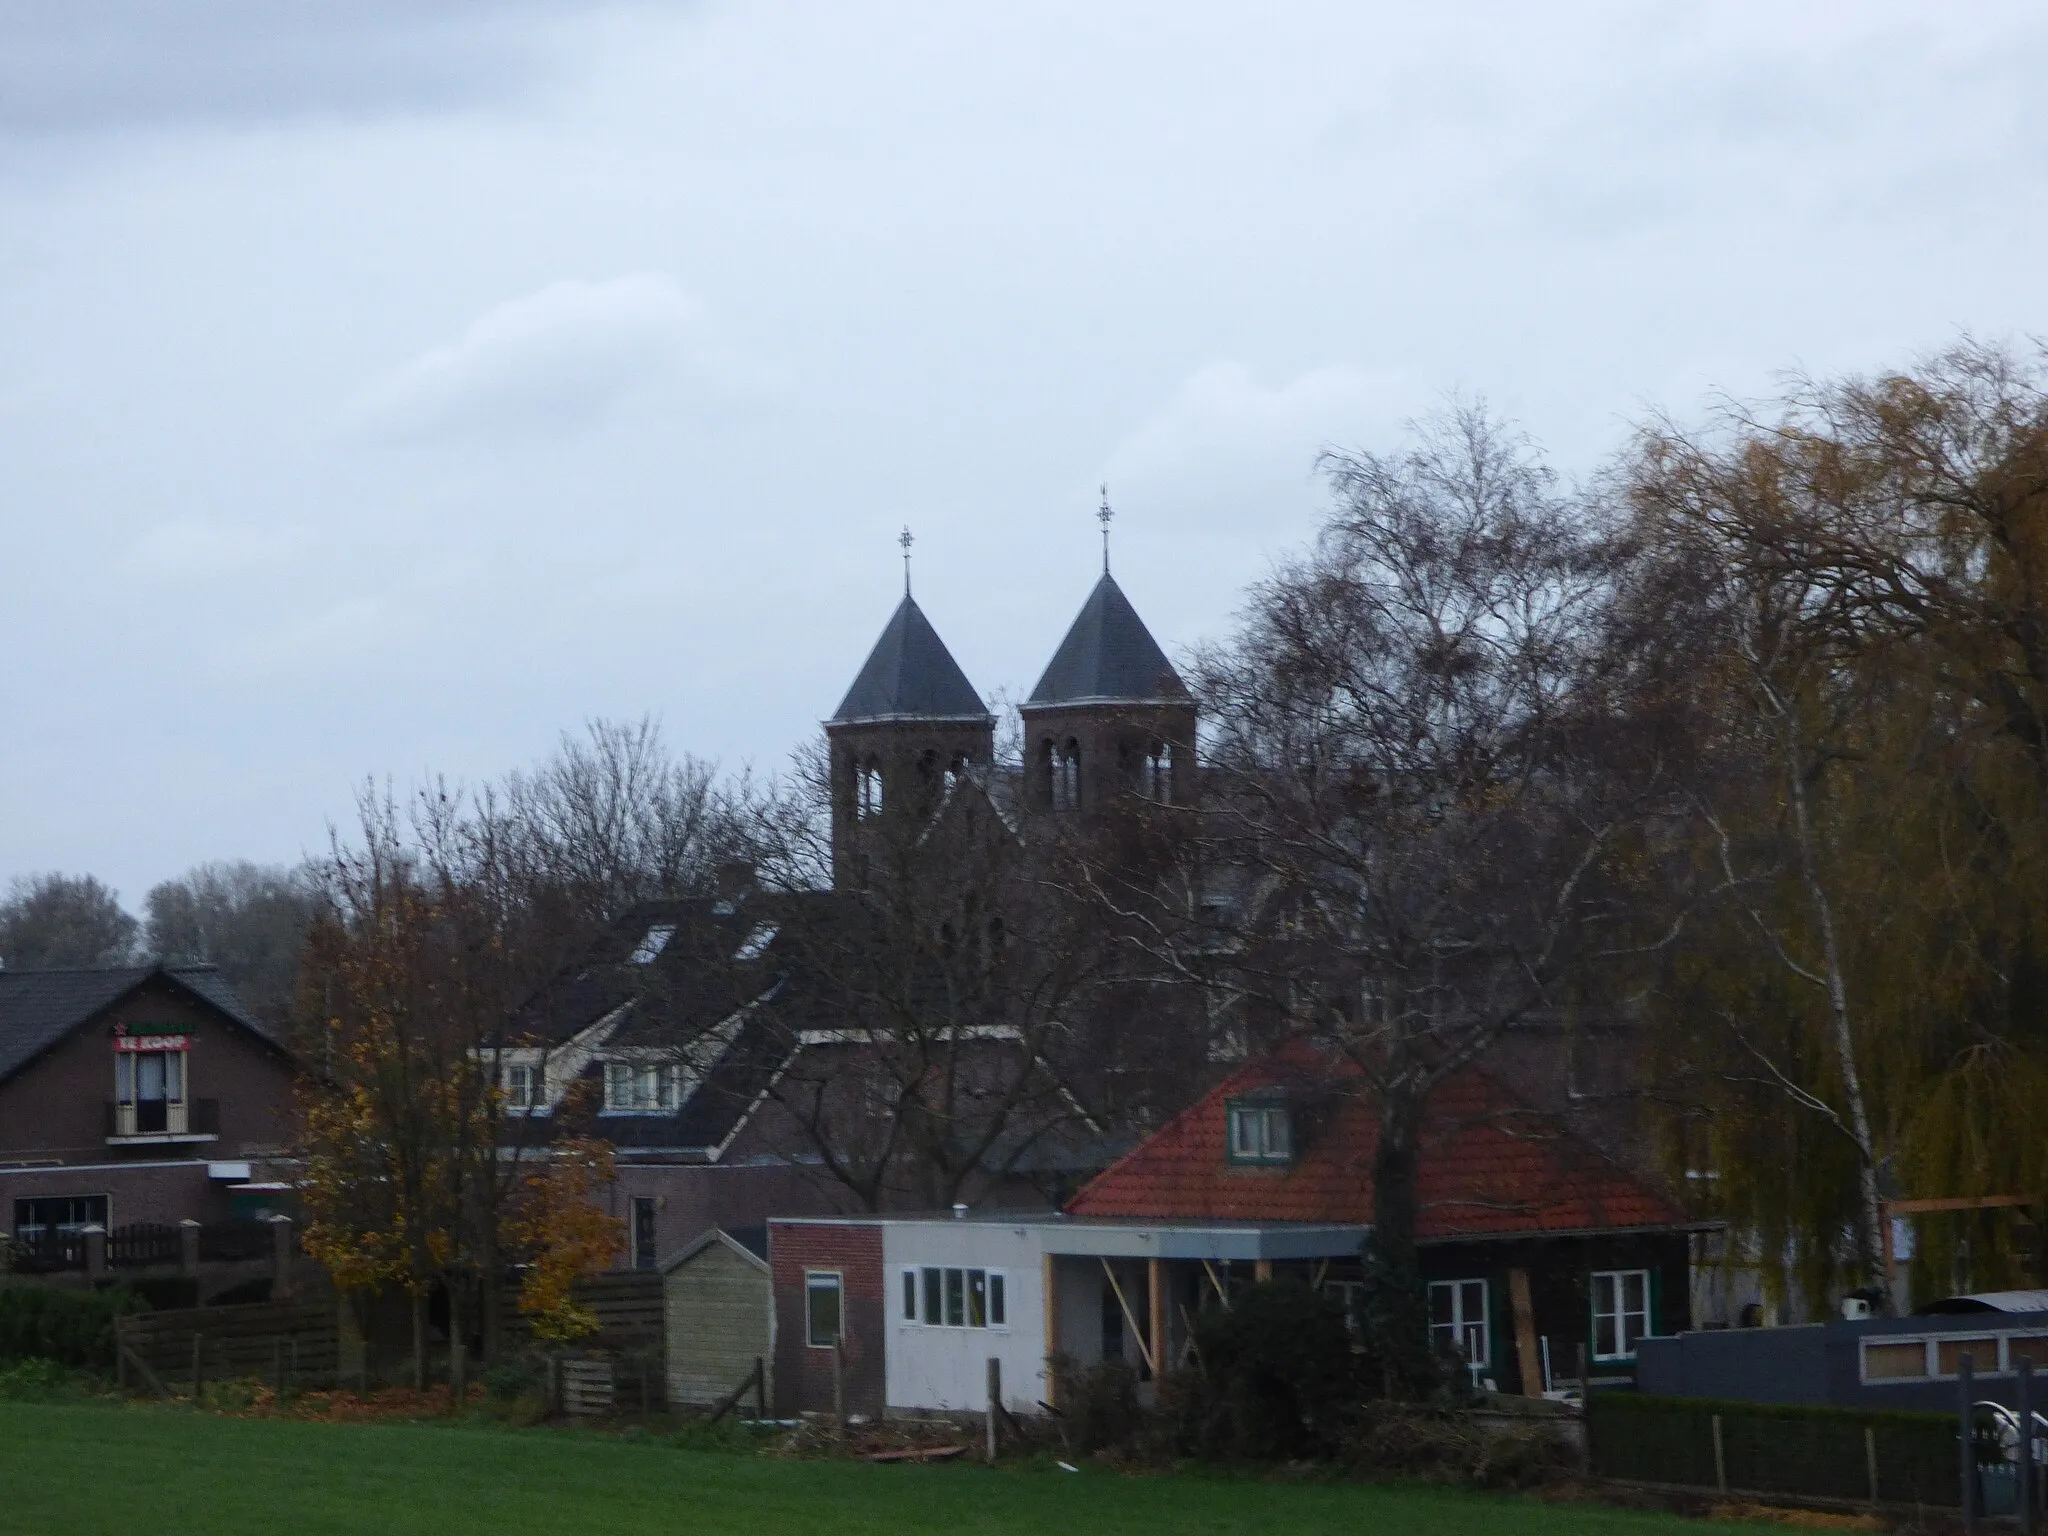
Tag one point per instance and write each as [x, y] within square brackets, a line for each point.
[1422, 783]
[248, 920]
[924, 1013]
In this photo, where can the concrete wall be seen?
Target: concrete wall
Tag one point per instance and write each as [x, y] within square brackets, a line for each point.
[720, 1312]
[1821, 1363]
[947, 1368]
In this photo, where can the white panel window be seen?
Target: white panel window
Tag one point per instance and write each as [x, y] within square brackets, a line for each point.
[1458, 1321]
[521, 1085]
[641, 1087]
[955, 1298]
[1621, 1312]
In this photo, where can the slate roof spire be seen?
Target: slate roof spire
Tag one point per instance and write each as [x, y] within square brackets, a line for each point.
[1109, 656]
[910, 675]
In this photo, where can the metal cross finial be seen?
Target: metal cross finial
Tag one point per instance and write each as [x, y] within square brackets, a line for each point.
[1103, 517]
[904, 538]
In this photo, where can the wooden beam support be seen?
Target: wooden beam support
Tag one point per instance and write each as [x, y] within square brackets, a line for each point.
[1155, 1301]
[1130, 1318]
[1525, 1333]
[1262, 1270]
[1216, 1280]
[1052, 1328]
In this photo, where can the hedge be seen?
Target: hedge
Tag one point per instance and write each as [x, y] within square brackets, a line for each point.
[1818, 1452]
[45, 1322]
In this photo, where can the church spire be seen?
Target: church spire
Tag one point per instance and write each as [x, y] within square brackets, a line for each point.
[1103, 517]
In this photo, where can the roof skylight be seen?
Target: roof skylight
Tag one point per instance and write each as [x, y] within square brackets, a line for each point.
[655, 942]
[756, 943]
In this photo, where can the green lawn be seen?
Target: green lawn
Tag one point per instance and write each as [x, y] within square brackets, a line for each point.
[82, 1470]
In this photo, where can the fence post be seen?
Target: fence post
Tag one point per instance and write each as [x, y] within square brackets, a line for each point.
[188, 1247]
[2023, 1396]
[995, 1402]
[1965, 1385]
[1870, 1460]
[95, 1252]
[1720, 1458]
[839, 1391]
[281, 1256]
[198, 1363]
[277, 1369]
[760, 1388]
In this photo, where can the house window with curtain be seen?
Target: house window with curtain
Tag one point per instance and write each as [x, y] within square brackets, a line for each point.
[641, 1087]
[150, 1083]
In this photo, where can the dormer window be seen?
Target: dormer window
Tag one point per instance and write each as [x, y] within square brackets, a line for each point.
[521, 1083]
[641, 1087]
[1261, 1132]
[654, 943]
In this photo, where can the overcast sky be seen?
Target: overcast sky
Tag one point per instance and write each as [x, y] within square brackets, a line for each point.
[389, 385]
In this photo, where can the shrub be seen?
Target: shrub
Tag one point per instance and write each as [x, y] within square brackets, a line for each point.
[515, 1376]
[75, 1328]
[1099, 1405]
[33, 1381]
[1279, 1370]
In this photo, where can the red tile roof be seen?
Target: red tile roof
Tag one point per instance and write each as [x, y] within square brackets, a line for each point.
[1490, 1166]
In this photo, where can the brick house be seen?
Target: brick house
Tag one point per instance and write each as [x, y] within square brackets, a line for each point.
[1535, 1246]
[132, 1099]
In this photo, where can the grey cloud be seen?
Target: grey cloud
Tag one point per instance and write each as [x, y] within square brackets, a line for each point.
[95, 65]
[552, 359]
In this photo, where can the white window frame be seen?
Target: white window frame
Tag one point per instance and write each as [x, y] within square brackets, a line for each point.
[816, 1280]
[1458, 1331]
[1260, 1133]
[929, 1291]
[642, 1087]
[519, 1084]
[1616, 1283]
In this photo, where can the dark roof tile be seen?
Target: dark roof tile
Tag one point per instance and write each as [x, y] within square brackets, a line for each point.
[1109, 656]
[910, 675]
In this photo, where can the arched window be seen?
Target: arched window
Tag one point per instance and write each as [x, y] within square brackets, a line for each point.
[1156, 776]
[1066, 776]
[870, 789]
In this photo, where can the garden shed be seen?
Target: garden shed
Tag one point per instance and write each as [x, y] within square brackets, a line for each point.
[720, 1312]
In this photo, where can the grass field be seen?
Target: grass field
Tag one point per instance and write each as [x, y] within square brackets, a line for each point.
[84, 1470]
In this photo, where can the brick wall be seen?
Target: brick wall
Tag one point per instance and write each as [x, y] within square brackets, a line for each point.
[803, 1375]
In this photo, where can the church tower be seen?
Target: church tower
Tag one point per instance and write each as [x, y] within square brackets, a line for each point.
[910, 722]
[1110, 716]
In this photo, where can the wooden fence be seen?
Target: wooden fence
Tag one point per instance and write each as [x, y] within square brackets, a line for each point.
[627, 1304]
[170, 1350]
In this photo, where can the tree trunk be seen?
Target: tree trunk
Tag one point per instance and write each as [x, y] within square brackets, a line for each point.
[1870, 1213]
[458, 1344]
[419, 1341]
[1396, 1305]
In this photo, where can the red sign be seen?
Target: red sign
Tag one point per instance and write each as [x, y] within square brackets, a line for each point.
[152, 1042]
